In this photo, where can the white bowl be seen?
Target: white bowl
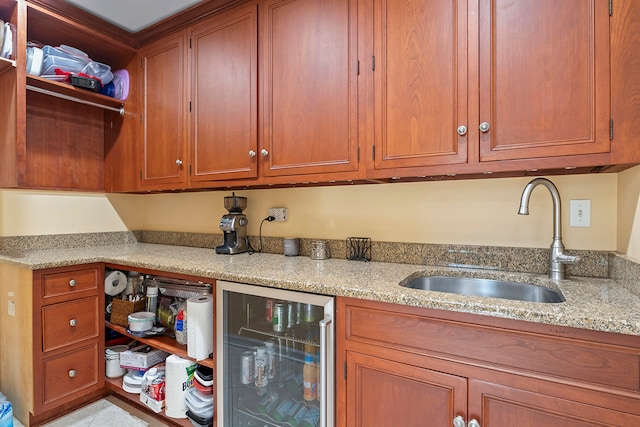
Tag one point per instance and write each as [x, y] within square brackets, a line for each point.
[141, 321]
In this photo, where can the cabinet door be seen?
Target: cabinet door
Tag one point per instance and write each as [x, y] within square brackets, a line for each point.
[420, 82]
[544, 78]
[224, 96]
[497, 405]
[164, 80]
[382, 392]
[309, 87]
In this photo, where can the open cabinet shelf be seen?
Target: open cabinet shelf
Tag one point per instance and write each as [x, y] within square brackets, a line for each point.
[115, 386]
[164, 343]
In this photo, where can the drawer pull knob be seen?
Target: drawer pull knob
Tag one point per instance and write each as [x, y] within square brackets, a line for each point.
[473, 423]
[73, 322]
[458, 421]
[72, 282]
[72, 373]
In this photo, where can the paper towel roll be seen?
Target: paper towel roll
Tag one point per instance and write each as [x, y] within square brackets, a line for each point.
[200, 327]
[115, 282]
[178, 379]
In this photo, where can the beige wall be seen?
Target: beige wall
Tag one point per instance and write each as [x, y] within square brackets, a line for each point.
[475, 212]
[31, 213]
[629, 212]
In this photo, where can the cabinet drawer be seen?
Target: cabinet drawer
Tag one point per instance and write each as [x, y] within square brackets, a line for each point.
[71, 372]
[69, 322]
[69, 282]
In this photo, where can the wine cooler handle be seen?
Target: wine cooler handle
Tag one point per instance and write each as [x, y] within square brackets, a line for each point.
[325, 354]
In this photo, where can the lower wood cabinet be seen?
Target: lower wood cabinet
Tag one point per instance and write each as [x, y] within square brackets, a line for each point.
[417, 367]
[52, 339]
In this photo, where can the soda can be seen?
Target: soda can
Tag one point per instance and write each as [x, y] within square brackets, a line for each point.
[247, 367]
[291, 315]
[279, 317]
[268, 310]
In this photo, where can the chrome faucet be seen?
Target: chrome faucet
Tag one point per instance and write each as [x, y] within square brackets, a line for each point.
[557, 258]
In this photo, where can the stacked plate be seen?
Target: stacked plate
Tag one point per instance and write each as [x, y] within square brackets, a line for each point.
[132, 382]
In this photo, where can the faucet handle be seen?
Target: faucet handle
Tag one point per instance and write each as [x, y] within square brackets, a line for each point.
[568, 259]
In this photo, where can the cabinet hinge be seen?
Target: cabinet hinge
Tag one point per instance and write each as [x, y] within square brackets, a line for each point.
[357, 67]
[611, 130]
[189, 43]
[373, 63]
[140, 175]
[189, 106]
[610, 7]
[190, 170]
[140, 118]
[373, 152]
[345, 370]
[358, 154]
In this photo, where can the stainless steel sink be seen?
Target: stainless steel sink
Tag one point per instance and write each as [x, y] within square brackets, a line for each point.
[485, 288]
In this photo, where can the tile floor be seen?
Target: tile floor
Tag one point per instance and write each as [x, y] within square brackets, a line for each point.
[107, 412]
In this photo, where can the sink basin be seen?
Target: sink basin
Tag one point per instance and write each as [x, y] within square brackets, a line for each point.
[486, 288]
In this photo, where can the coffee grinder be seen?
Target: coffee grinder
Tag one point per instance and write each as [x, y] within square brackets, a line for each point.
[233, 225]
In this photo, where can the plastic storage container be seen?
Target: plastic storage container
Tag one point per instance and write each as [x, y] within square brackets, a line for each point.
[112, 357]
[50, 63]
[199, 421]
[99, 70]
[199, 405]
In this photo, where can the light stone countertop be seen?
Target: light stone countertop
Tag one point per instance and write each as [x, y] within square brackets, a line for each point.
[596, 304]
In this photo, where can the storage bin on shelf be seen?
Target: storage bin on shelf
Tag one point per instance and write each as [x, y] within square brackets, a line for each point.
[121, 309]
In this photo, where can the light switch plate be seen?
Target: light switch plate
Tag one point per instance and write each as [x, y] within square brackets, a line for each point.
[580, 213]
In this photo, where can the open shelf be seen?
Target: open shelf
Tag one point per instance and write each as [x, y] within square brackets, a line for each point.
[5, 64]
[115, 386]
[68, 91]
[162, 342]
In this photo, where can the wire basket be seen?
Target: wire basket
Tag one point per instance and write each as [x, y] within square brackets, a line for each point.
[359, 248]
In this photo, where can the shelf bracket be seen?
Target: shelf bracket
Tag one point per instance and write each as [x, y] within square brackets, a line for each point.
[120, 110]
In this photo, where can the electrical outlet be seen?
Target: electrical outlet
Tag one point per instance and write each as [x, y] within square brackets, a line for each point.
[280, 214]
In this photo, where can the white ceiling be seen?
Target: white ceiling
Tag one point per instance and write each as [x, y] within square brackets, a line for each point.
[133, 15]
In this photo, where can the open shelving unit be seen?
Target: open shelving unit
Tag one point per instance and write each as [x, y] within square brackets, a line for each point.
[162, 342]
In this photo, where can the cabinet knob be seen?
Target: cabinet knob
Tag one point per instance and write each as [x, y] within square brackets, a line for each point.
[72, 373]
[72, 282]
[484, 127]
[462, 130]
[458, 421]
[473, 423]
[179, 162]
[264, 153]
[252, 153]
[73, 322]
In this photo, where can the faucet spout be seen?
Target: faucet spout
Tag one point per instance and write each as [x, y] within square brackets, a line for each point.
[557, 259]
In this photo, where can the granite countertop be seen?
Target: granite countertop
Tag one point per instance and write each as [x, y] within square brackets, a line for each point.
[596, 304]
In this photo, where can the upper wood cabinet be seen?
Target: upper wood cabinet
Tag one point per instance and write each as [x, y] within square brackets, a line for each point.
[309, 88]
[420, 82]
[163, 112]
[52, 135]
[544, 78]
[465, 87]
[224, 96]
[199, 103]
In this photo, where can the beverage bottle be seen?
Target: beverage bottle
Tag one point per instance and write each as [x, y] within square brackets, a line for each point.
[261, 368]
[271, 359]
[309, 381]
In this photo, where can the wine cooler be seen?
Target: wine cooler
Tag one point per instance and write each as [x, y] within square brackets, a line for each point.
[275, 357]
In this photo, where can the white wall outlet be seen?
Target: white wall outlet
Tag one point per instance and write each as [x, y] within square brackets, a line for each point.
[580, 213]
[280, 214]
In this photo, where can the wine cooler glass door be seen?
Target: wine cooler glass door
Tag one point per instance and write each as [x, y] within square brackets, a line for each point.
[275, 357]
